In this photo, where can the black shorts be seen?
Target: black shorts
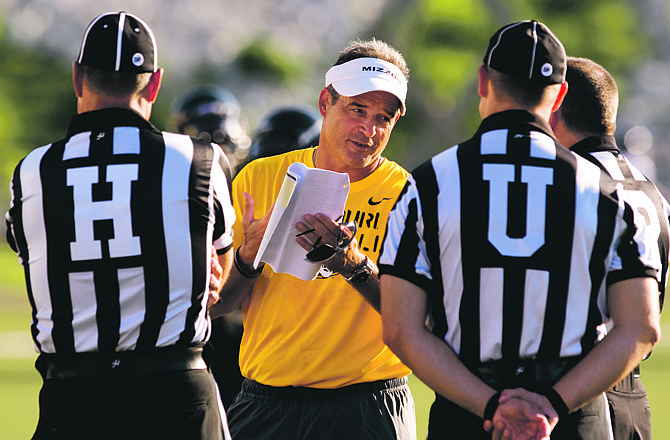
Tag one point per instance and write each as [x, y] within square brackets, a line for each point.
[375, 410]
[629, 409]
[182, 405]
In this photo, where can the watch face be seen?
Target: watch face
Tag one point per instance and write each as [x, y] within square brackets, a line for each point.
[361, 275]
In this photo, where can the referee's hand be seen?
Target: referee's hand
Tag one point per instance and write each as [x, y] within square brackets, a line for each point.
[215, 279]
[522, 415]
[538, 400]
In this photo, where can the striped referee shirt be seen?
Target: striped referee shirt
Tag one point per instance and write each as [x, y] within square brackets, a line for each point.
[514, 239]
[114, 226]
[603, 151]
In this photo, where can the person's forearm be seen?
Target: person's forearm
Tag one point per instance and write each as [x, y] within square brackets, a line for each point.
[634, 309]
[346, 262]
[404, 308]
[370, 291]
[436, 365]
[236, 289]
[614, 357]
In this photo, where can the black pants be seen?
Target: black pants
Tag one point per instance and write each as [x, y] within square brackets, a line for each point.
[173, 405]
[449, 421]
[222, 354]
[381, 410]
[629, 409]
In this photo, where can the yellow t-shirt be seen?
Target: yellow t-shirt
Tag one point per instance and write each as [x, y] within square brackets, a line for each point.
[320, 333]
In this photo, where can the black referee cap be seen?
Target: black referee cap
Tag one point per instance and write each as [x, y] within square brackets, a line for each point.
[119, 42]
[527, 49]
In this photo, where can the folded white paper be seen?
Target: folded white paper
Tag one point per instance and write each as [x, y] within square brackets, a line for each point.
[304, 191]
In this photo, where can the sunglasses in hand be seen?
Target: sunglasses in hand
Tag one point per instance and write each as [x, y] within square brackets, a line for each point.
[325, 251]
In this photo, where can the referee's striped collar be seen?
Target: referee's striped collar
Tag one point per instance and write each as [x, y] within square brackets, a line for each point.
[596, 143]
[508, 118]
[108, 117]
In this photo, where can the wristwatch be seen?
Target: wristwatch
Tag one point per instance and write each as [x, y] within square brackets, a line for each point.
[361, 273]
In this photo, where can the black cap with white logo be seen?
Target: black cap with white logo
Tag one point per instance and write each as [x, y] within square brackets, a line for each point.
[527, 49]
[119, 42]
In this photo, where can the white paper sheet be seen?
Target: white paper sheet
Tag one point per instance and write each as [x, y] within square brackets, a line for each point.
[304, 191]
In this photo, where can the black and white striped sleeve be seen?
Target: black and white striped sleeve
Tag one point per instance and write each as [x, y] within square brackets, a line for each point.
[636, 252]
[225, 213]
[403, 252]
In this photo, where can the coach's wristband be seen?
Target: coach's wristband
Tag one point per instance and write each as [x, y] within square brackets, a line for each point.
[491, 406]
[245, 270]
[557, 402]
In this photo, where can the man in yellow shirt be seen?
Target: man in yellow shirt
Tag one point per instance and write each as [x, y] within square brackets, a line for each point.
[312, 351]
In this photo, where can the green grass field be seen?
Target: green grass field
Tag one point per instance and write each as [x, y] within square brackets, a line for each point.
[20, 382]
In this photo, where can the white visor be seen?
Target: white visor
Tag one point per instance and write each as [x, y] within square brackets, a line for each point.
[363, 75]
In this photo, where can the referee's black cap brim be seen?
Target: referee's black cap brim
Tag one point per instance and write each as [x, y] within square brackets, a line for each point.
[119, 42]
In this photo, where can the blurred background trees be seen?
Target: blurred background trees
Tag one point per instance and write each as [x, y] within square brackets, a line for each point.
[270, 53]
